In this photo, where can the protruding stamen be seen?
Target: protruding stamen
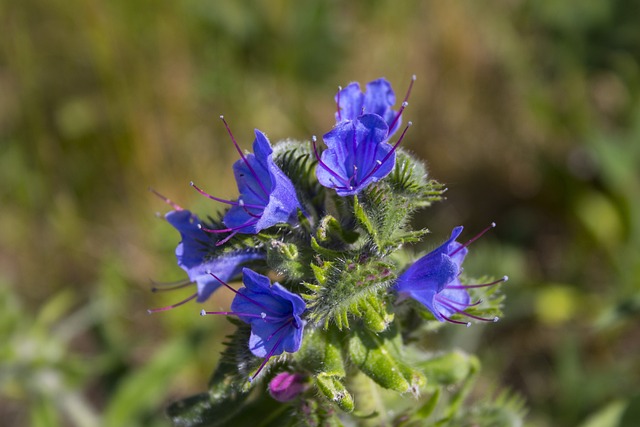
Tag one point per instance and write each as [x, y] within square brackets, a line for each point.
[218, 199]
[267, 357]
[339, 110]
[379, 163]
[169, 307]
[233, 313]
[470, 241]
[244, 158]
[168, 201]
[404, 104]
[226, 230]
[482, 285]
[171, 286]
[251, 300]
[448, 319]
[327, 168]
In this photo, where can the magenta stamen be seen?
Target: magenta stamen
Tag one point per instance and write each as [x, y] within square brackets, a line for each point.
[285, 324]
[166, 200]
[233, 313]
[495, 282]
[169, 307]
[238, 293]
[217, 199]
[470, 241]
[227, 230]
[268, 356]
[453, 305]
[160, 287]
[244, 158]
[327, 168]
[380, 163]
[404, 103]
[226, 239]
[448, 319]
[339, 110]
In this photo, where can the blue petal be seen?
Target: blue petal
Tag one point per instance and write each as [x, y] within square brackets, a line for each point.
[279, 327]
[196, 255]
[433, 273]
[350, 103]
[378, 99]
[354, 150]
[268, 194]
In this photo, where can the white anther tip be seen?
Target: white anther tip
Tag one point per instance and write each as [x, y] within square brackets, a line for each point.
[505, 278]
[313, 138]
[409, 124]
[405, 104]
[495, 319]
[149, 311]
[191, 183]
[221, 117]
[468, 324]
[203, 313]
[413, 77]
[493, 225]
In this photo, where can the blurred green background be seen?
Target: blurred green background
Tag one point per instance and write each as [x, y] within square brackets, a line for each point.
[529, 110]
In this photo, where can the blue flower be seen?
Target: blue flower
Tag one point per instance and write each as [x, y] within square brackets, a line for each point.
[378, 99]
[198, 256]
[267, 195]
[273, 312]
[434, 282]
[357, 155]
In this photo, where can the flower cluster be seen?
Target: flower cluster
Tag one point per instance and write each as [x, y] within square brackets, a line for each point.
[329, 222]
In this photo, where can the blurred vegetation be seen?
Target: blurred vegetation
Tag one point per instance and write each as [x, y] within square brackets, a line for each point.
[529, 110]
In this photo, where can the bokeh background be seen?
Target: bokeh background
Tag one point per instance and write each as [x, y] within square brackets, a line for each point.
[528, 109]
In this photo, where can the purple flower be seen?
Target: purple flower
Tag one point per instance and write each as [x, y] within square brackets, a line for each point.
[378, 99]
[434, 282]
[273, 312]
[198, 255]
[357, 155]
[267, 196]
[286, 386]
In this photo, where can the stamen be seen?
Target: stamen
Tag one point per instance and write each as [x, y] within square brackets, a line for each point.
[339, 110]
[244, 158]
[495, 282]
[203, 312]
[166, 200]
[226, 230]
[327, 168]
[238, 293]
[217, 199]
[170, 286]
[267, 357]
[448, 319]
[379, 163]
[404, 104]
[169, 307]
[470, 241]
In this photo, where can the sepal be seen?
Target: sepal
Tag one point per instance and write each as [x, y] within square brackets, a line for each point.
[379, 357]
[333, 389]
